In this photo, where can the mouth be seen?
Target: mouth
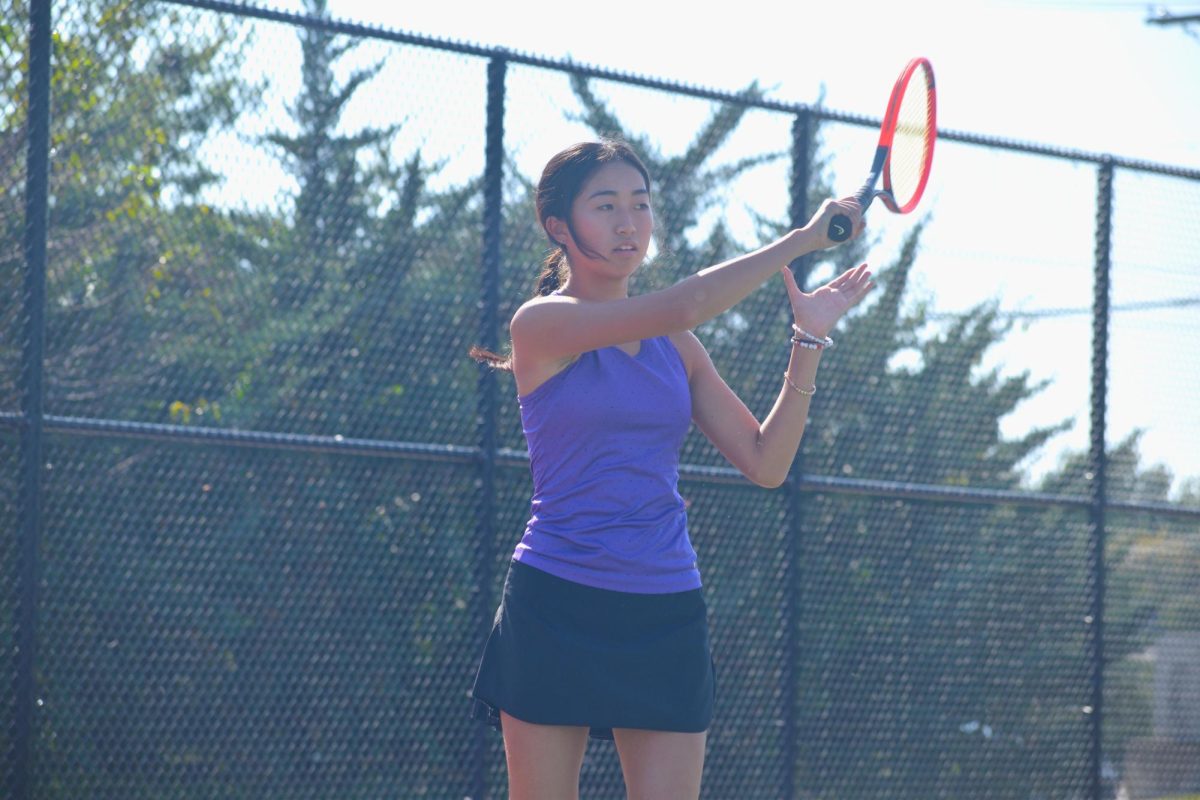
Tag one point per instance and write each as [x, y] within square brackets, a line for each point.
[625, 248]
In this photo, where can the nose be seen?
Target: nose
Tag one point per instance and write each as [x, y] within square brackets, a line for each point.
[625, 225]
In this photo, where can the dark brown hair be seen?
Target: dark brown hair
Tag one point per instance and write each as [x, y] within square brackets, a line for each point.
[561, 182]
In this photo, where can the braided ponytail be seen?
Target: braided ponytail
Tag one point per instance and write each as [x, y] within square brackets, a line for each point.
[553, 267]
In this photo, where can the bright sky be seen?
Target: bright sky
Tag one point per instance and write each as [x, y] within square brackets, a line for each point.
[1086, 75]
[1090, 76]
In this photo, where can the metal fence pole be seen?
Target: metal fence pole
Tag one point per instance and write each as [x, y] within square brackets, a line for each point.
[37, 180]
[1098, 468]
[802, 145]
[493, 175]
[802, 136]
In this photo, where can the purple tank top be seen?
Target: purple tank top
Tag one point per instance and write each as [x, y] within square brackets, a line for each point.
[604, 438]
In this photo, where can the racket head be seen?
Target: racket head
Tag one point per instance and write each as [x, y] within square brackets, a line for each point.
[909, 131]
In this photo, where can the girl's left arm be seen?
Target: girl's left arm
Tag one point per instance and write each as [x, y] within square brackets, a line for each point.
[763, 452]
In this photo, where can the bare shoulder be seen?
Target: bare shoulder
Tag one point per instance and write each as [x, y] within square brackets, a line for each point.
[536, 317]
[535, 305]
[535, 314]
[531, 367]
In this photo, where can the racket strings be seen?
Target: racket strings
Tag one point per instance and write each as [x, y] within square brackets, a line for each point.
[913, 138]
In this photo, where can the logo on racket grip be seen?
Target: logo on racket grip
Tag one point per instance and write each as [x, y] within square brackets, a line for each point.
[839, 228]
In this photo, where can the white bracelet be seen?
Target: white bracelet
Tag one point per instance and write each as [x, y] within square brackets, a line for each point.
[823, 341]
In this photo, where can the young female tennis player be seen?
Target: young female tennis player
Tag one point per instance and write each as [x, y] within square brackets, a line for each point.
[602, 627]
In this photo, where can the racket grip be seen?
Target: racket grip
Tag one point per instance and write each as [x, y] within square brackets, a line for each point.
[839, 228]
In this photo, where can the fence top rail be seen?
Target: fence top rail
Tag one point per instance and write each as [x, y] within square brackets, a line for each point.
[368, 31]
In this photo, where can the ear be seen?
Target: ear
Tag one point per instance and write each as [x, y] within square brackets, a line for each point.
[558, 231]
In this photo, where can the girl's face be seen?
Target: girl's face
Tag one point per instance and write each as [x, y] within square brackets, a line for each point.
[613, 222]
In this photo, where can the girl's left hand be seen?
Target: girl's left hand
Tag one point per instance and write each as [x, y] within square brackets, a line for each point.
[818, 311]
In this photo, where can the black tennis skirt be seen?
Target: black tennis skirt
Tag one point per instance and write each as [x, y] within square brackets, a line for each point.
[561, 653]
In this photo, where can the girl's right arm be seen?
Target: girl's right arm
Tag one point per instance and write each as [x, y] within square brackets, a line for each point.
[552, 328]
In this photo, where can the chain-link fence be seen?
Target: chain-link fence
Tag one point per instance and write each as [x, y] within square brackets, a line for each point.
[257, 503]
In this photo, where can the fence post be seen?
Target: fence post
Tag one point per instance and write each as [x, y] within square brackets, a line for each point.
[493, 175]
[802, 136]
[1098, 472]
[37, 181]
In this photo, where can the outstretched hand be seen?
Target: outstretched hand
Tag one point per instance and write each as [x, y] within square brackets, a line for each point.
[818, 311]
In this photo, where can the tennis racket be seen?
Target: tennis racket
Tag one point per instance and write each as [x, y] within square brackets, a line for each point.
[905, 151]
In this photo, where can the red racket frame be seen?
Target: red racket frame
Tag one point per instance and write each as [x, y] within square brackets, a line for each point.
[839, 225]
[887, 133]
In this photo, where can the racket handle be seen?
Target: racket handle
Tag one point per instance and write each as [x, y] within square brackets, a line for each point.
[839, 228]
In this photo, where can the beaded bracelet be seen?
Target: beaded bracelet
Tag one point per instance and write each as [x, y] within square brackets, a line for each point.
[799, 334]
[807, 344]
[808, 393]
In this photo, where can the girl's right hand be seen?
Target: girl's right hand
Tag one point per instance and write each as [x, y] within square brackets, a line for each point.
[818, 226]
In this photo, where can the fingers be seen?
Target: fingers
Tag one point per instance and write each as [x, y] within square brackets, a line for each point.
[848, 281]
[859, 222]
[860, 285]
[852, 275]
[860, 218]
[854, 284]
[838, 221]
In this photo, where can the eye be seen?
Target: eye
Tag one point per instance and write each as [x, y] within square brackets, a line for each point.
[605, 207]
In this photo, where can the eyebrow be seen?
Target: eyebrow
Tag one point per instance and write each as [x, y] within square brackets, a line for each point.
[613, 192]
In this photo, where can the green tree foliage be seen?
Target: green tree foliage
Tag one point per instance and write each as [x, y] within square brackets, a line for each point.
[342, 306]
[124, 124]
